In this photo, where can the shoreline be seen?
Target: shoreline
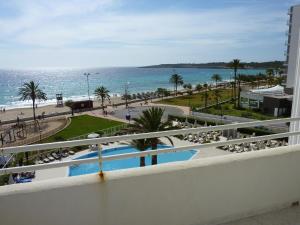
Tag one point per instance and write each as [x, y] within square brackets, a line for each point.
[15, 105]
[11, 114]
[26, 112]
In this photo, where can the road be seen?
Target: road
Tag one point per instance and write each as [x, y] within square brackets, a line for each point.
[280, 127]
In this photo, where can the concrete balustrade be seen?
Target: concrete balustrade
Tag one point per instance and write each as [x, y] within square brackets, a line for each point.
[205, 191]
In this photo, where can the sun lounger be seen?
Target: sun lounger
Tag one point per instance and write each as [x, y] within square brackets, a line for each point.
[71, 152]
[50, 158]
[46, 160]
[55, 155]
[22, 180]
[65, 154]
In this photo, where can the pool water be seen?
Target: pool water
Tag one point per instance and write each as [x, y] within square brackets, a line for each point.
[125, 163]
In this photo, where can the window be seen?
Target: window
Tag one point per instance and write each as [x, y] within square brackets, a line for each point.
[244, 100]
[253, 103]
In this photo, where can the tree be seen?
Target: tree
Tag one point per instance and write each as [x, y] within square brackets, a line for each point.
[199, 87]
[177, 80]
[205, 94]
[162, 92]
[70, 104]
[252, 84]
[151, 121]
[270, 76]
[279, 71]
[141, 145]
[279, 80]
[232, 90]
[239, 91]
[102, 93]
[167, 93]
[190, 92]
[187, 86]
[31, 91]
[235, 65]
[216, 78]
[217, 95]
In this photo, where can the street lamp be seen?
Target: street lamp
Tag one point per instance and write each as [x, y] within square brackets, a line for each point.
[88, 86]
[126, 94]
[189, 104]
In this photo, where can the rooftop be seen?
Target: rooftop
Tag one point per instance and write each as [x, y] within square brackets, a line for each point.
[206, 190]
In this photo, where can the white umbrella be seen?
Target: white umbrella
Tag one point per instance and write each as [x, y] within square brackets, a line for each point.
[93, 135]
[195, 123]
[11, 179]
[186, 123]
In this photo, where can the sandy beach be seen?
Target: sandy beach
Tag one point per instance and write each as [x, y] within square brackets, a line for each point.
[12, 114]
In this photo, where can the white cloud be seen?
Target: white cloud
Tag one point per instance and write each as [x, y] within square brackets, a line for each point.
[81, 25]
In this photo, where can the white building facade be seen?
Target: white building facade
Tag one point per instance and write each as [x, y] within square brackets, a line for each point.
[292, 44]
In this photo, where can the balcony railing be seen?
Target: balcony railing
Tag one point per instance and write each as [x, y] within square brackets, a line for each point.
[99, 141]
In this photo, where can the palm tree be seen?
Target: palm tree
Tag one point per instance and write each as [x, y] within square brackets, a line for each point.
[187, 86]
[177, 80]
[70, 104]
[102, 93]
[270, 76]
[189, 92]
[205, 94]
[199, 87]
[235, 65]
[216, 78]
[217, 95]
[252, 84]
[31, 91]
[232, 90]
[162, 92]
[141, 145]
[279, 80]
[151, 121]
[279, 71]
[239, 91]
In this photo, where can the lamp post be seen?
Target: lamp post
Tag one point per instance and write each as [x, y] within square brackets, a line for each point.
[88, 86]
[221, 113]
[189, 104]
[126, 94]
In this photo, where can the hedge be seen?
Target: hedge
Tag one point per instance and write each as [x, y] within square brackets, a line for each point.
[249, 130]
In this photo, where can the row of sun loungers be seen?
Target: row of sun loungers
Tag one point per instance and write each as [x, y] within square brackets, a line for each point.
[246, 147]
[50, 157]
[24, 177]
[203, 137]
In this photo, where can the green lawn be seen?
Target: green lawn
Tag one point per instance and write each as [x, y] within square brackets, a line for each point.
[228, 109]
[197, 100]
[82, 125]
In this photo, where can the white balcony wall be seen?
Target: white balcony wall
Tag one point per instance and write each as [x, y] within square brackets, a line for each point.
[295, 126]
[293, 47]
[205, 191]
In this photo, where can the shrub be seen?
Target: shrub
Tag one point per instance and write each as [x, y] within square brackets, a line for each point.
[226, 107]
[246, 114]
[191, 120]
[258, 131]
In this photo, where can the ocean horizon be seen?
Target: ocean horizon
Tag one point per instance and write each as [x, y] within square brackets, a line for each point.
[73, 84]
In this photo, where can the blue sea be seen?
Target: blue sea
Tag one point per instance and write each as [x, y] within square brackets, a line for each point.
[73, 85]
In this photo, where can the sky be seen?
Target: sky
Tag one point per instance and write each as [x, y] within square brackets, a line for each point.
[106, 33]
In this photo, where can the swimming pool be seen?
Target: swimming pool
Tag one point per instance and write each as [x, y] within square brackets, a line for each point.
[125, 163]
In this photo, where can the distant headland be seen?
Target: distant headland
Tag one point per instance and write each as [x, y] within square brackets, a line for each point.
[221, 65]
